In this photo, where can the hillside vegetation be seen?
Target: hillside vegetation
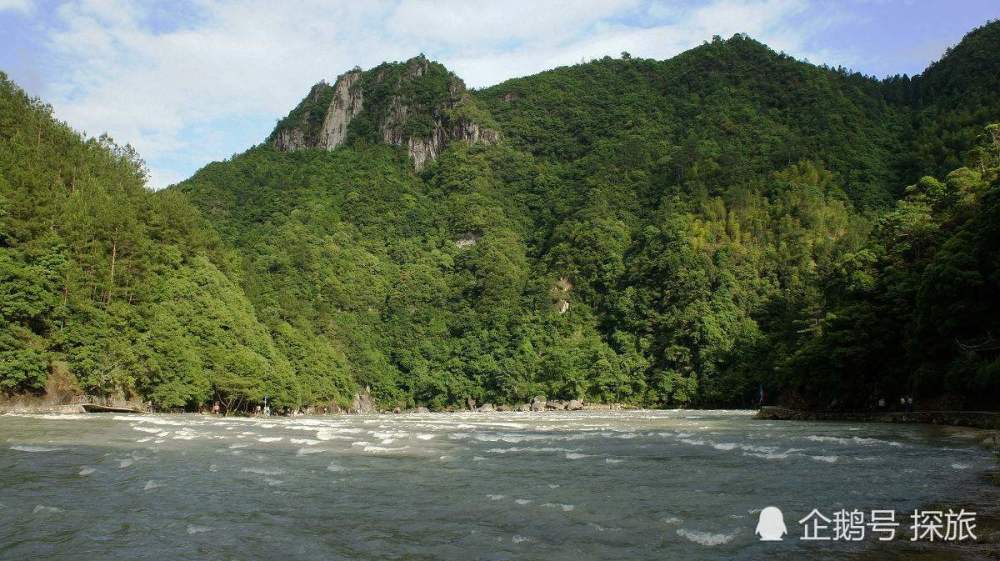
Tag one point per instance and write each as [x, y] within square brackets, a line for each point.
[683, 232]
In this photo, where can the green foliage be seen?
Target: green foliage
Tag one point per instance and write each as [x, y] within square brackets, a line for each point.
[126, 286]
[662, 233]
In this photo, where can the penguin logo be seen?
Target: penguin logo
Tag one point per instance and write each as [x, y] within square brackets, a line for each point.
[771, 525]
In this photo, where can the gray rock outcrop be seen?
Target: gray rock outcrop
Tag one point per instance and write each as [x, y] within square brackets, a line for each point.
[538, 403]
[394, 116]
[362, 404]
[348, 100]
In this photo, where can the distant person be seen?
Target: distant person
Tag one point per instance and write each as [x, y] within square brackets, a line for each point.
[909, 404]
[881, 403]
[761, 396]
[902, 403]
[216, 409]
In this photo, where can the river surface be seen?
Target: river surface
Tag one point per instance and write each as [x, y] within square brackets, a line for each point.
[575, 486]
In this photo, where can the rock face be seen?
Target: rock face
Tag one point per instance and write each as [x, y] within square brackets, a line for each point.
[555, 405]
[348, 100]
[487, 408]
[467, 240]
[362, 404]
[574, 405]
[538, 403]
[418, 105]
[560, 294]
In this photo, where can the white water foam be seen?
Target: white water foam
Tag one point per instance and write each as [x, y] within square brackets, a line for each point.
[853, 440]
[153, 430]
[27, 448]
[520, 449]
[263, 471]
[379, 449]
[706, 538]
[46, 510]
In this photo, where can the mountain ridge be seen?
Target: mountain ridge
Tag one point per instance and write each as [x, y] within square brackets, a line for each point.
[674, 233]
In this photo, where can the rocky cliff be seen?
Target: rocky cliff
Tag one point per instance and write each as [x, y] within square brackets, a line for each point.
[417, 104]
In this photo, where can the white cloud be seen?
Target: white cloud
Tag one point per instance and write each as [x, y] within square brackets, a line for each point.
[162, 177]
[682, 28]
[161, 80]
[475, 25]
[23, 6]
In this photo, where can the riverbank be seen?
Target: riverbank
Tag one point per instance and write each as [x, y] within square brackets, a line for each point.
[976, 419]
[362, 404]
[29, 405]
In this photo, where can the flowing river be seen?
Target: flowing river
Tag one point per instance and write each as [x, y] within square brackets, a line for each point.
[576, 486]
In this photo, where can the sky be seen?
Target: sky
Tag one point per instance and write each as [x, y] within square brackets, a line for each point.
[188, 82]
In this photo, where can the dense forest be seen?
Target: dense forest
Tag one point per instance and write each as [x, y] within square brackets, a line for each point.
[679, 233]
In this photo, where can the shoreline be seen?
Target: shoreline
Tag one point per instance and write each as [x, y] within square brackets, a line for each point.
[987, 420]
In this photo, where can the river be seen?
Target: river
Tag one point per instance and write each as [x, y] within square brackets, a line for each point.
[574, 486]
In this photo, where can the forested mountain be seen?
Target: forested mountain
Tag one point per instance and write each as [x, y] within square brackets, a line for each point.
[109, 288]
[664, 233]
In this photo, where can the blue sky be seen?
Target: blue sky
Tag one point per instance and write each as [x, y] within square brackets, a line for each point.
[188, 82]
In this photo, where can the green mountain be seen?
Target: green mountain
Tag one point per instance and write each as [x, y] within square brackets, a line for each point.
[111, 289]
[681, 232]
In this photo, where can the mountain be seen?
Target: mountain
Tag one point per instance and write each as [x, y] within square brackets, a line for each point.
[110, 289]
[951, 101]
[417, 104]
[728, 111]
[683, 232]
